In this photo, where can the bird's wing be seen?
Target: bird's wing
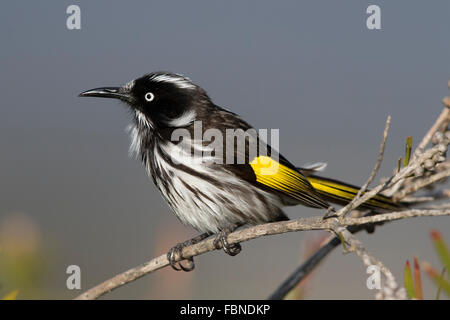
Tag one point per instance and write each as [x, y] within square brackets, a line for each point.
[272, 173]
[281, 176]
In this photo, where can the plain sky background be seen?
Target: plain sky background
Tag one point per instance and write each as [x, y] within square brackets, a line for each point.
[310, 68]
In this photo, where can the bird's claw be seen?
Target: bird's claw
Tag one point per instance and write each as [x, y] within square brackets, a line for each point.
[230, 249]
[176, 252]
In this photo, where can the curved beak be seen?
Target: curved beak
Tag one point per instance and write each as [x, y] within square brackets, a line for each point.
[107, 92]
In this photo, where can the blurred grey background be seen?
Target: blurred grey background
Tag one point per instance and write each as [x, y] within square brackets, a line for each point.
[70, 194]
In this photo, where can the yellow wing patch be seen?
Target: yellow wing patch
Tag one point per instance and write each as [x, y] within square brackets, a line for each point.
[282, 178]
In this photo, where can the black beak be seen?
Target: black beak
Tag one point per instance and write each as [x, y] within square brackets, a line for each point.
[107, 92]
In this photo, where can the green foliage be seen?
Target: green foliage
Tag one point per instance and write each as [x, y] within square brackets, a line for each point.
[407, 158]
[441, 280]
[11, 296]
[441, 248]
[408, 151]
[414, 286]
[408, 281]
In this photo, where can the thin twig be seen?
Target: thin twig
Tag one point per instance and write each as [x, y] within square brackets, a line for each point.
[419, 184]
[389, 289]
[442, 120]
[353, 204]
[443, 117]
[405, 172]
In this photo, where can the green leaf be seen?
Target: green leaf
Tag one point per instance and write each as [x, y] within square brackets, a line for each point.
[408, 279]
[11, 296]
[440, 287]
[417, 280]
[399, 164]
[341, 237]
[408, 151]
[441, 248]
[440, 281]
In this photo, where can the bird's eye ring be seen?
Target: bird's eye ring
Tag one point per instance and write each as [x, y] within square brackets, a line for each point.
[149, 96]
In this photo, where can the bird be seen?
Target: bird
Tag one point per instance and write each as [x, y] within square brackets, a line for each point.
[224, 185]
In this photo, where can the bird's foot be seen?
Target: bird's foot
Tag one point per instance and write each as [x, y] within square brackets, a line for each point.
[175, 252]
[174, 255]
[230, 249]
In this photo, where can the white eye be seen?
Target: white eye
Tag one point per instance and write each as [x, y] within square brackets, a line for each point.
[149, 96]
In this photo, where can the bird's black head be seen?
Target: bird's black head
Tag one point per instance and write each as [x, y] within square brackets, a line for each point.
[158, 99]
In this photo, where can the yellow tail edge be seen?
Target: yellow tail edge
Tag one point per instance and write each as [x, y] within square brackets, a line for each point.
[342, 193]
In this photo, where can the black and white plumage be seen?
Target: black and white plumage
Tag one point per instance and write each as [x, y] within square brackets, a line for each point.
[208, 197]
[213, 196]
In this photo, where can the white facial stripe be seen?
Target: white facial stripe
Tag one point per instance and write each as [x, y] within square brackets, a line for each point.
[135, 146]
[178, 80]
[142, 119]
[129, 85]
[185, 119]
